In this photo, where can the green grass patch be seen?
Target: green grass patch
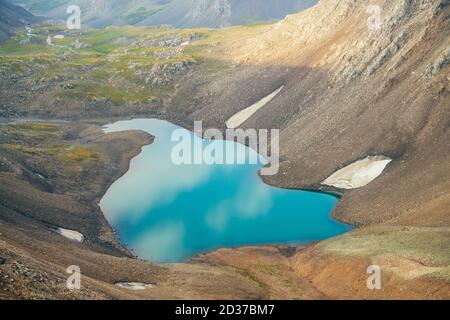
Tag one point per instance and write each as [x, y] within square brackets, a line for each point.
[117, 96]
[247, 274]
[40, 127]
[23, 149]
[271, 269]
[31, 131]
[79, 154]
[428, 246]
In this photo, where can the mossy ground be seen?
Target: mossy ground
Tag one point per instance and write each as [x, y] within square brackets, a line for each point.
[427, 247]
[51, 148]
[114, 67]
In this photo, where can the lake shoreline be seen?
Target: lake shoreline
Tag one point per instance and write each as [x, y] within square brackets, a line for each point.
[125, 167]
[248, 263]
[148, 124]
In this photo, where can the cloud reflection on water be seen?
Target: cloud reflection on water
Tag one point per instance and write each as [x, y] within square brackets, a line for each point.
[168, 212]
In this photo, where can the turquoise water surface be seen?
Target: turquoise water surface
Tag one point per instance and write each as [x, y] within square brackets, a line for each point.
[169, 213]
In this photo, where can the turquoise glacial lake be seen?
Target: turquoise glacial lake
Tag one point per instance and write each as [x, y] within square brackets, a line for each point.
[166, 212]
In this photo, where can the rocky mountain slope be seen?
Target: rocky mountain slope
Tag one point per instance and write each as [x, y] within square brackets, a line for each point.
[177, 13]
[355, 85]
[13, 17]
[352, 91]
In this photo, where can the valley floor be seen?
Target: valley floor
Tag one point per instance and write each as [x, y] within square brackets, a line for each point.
[348, 93]
[35, 165]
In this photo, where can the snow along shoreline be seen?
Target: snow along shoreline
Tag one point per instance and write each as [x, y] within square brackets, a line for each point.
[359, 173]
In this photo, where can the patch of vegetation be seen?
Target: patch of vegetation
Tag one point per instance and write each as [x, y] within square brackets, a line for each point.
[115, 95]
[287, 283]
[79, 154]
[102, 41]
[247, 274]
[33, 127]
[271, 269]
[23, 149]
[116, 67]
[31, 131]
[14, 47]
[427, 246]
[65, 153]
[442, 273]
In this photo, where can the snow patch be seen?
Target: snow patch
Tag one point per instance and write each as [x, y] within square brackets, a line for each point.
[135, 285]
[70, 234]
[359, 173]
[239, 118]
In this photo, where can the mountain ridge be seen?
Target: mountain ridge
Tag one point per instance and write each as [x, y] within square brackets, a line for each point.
[177, 13]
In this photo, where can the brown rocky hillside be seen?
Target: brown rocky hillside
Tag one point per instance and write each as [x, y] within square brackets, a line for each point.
[350, 91]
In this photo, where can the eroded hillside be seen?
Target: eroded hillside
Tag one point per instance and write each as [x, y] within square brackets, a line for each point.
[351, 90]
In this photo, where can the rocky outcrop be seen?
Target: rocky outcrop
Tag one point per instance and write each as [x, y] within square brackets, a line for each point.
[161, 75]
